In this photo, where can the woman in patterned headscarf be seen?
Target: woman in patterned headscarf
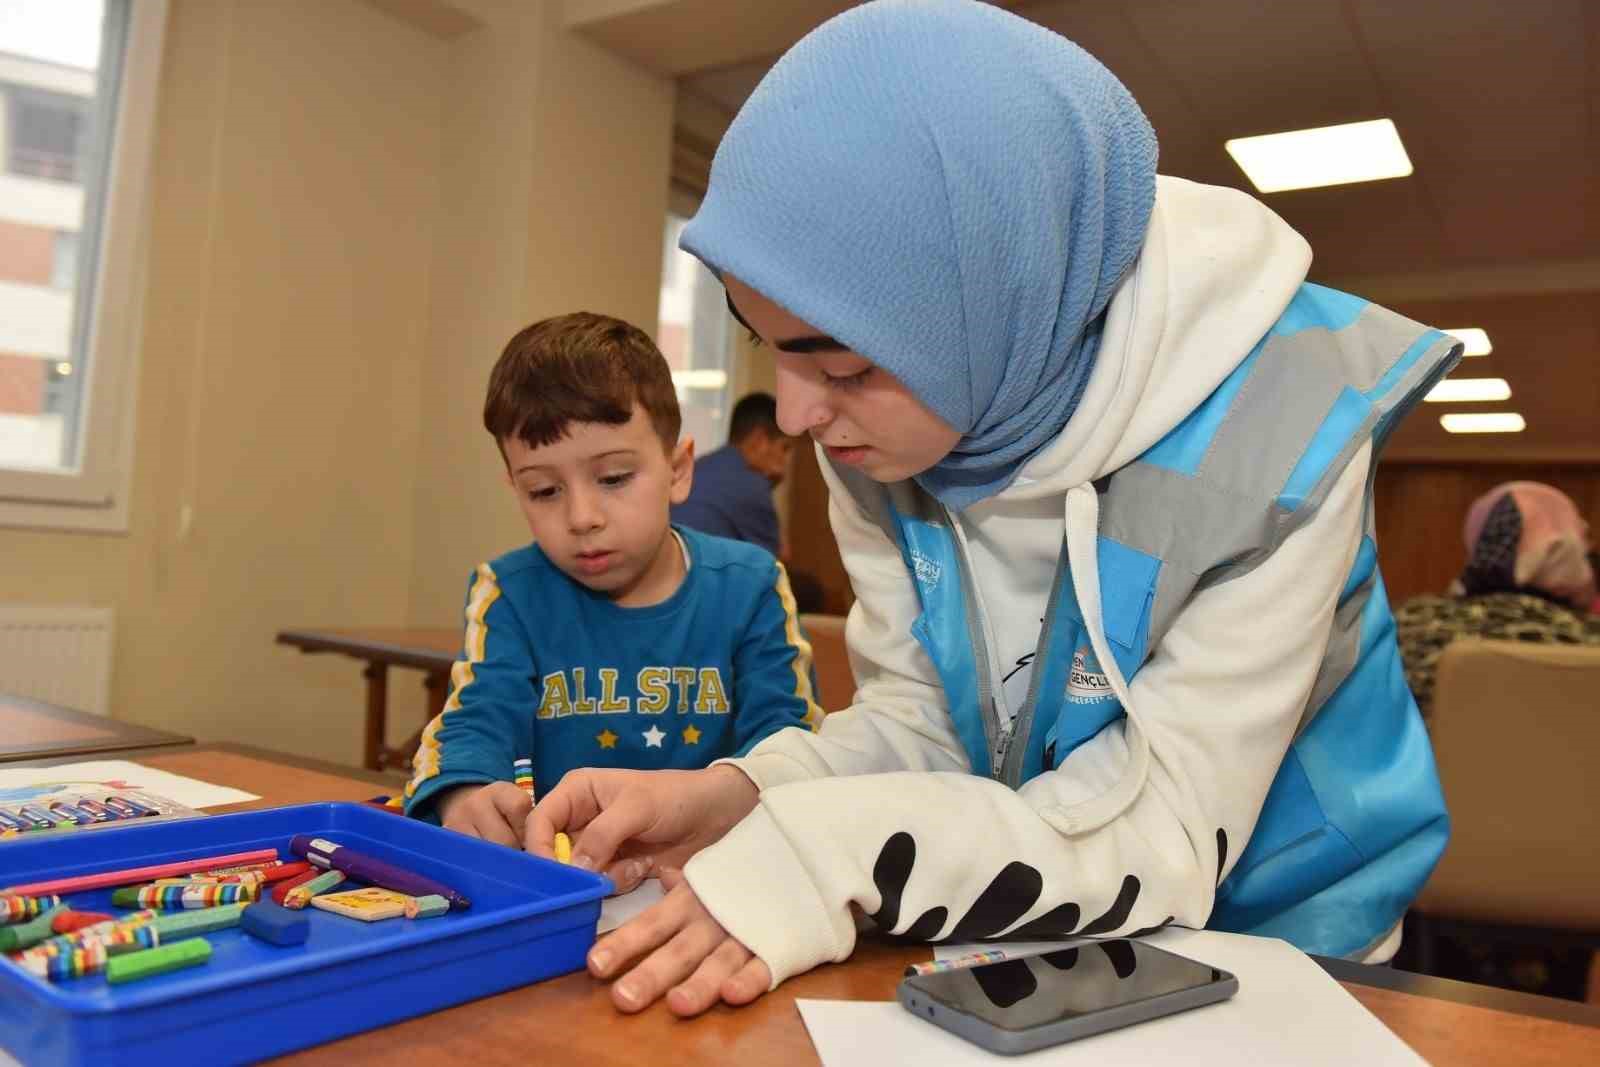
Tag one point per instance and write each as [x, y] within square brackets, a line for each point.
[1527, 578]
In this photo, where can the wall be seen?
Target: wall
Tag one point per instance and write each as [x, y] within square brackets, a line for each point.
[284, 331]
[1421, 507]
[554, 194]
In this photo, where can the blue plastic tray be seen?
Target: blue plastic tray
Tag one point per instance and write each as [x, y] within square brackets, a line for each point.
[530, 919]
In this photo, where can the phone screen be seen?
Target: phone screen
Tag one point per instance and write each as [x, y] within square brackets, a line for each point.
[1025, 993]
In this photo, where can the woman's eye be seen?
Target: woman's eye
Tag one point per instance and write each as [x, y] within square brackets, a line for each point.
[848, 381]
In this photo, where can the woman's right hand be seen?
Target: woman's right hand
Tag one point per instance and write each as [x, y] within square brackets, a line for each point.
[630, 824]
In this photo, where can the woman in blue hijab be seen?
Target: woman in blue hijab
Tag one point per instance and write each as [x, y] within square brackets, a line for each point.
[1098, 458]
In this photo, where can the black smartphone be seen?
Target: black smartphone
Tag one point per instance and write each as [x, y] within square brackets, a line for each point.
[1028, 1003]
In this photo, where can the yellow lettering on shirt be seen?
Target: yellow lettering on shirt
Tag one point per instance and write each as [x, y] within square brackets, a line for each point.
[582, 704]
[713, 699]
[610, 703]
[555, 702]
[683, 677]
[653, 690]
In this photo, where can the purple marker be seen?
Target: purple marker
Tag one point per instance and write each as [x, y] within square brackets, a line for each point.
[321, 852]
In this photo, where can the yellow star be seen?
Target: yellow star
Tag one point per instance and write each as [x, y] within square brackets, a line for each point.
[691, 735]
[606, 738]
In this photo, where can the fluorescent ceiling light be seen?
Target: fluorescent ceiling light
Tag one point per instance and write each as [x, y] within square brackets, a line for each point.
[1326, 155]
[1465, 390]
[1476, 340]
[1497, 422]
[700, 379]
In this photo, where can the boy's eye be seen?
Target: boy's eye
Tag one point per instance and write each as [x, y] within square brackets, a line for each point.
[616, 481]
[543, 493]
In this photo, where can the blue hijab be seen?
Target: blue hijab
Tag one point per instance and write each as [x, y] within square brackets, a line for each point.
[953, 192]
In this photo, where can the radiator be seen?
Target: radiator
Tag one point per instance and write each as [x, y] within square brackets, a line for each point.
[57, 654]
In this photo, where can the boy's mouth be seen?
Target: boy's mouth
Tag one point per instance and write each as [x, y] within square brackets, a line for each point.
[595, 562]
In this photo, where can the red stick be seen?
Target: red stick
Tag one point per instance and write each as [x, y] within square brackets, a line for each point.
[136, 875]
[281, 890]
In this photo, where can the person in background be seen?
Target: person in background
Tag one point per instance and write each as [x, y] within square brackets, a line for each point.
[732, 491]
[1528, 578]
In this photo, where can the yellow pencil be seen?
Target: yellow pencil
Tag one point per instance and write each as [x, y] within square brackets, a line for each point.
[563, 848]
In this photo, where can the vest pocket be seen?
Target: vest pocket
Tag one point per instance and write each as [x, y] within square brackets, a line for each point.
[1293, 854]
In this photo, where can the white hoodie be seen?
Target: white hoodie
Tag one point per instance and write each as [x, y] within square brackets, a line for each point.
[1217, 702]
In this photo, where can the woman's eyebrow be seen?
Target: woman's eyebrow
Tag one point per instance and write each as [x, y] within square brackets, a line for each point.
[812, 343]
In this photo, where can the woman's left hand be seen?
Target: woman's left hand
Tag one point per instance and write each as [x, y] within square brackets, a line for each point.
[682, 953]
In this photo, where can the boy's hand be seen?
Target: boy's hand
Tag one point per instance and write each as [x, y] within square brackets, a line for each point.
[630, 823]
[496, 812]
[686, 957]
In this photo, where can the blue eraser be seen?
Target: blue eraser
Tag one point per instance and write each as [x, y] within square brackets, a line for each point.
[271, 922]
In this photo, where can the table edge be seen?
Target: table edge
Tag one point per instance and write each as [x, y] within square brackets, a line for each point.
[1468, 993]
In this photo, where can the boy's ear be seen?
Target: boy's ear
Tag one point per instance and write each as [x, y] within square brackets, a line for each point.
[682, 460]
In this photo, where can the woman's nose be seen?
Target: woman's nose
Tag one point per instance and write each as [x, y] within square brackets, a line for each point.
[802, 399]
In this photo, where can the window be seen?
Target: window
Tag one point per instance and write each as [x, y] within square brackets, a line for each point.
[77, 100]
[696, 338]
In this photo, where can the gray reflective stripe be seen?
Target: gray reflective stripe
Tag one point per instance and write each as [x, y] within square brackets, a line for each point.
[1011, 768]
[1220, 523]
[1344, 649]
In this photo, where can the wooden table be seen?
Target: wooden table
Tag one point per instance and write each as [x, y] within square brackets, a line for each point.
[430, 651]
[32, 730]
[570, 1019]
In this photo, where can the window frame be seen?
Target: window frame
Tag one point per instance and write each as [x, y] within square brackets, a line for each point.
[94, 494]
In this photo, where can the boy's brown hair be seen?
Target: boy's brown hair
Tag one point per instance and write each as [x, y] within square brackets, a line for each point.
[581, 367]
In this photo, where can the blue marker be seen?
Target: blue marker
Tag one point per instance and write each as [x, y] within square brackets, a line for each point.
[37, 820]
[61, 809]
[9, 821]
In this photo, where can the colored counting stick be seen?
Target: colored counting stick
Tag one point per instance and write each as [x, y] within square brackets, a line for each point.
[426, 907]
[173, 897]
[301, 895]
[154, 961]
[26, 934]
[15, 909]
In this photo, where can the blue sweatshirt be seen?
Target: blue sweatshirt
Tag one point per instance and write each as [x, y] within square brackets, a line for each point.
[553, 670]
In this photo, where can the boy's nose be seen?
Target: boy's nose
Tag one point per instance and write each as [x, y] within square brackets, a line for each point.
[802, 400]
[583, 512]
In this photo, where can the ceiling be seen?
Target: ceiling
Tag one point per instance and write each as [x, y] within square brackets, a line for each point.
[1498, 103]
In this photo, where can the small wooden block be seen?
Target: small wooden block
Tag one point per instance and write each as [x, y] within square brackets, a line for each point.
[369, 905]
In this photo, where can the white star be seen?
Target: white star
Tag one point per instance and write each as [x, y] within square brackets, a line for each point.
[653, 737]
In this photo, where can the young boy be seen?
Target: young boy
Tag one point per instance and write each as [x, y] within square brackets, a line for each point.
[615, 639]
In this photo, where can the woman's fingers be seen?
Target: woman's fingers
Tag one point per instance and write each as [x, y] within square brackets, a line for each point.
[668, 965]
[748, 983]
[703, 988]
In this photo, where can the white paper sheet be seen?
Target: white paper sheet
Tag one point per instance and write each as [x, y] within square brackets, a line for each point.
[1287, 1010]
[614, 911]
[17, 784]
